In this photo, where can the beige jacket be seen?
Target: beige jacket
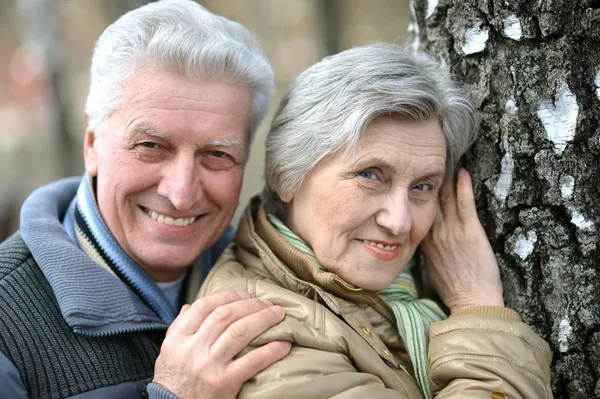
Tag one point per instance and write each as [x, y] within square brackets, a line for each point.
[345, 341]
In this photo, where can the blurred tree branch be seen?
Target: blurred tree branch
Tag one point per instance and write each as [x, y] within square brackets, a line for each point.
[331, 25]
[41, 40]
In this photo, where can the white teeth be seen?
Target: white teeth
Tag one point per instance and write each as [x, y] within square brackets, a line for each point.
[180, 222]
[380, 246]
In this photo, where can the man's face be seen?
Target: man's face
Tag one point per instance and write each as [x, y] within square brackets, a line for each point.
[169, 167]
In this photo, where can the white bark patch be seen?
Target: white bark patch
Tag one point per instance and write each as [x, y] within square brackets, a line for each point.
[475, 40]
[580, 221]
[431, 5]
[504, 182]
[512, 27]
[560, 119]
[511, 106]
[525, 244]
[567, 183]
[598, 84]
[564, 333]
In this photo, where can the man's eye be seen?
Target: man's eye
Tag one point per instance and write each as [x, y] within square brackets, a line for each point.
[218, 154]
[367, 175]
[149, 144]
[218, 160]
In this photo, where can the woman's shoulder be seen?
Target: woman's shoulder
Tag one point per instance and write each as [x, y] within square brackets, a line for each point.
[231, 273]
[302, 310]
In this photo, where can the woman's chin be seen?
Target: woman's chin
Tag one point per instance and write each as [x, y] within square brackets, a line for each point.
[372, 285]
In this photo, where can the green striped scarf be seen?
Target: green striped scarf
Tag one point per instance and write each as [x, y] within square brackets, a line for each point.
[413, 315]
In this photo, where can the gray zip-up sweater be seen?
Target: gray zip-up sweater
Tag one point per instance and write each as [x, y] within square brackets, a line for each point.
[68, 328]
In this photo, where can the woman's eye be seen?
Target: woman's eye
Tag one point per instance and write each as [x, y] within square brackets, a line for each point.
[422, 187]
[367, 175]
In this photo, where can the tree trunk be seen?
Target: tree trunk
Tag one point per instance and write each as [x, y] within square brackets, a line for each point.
[533, 68]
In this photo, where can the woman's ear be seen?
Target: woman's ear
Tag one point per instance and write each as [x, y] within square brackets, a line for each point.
[285, 197]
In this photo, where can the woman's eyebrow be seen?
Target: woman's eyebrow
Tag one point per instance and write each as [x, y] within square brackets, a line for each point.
[373, 161]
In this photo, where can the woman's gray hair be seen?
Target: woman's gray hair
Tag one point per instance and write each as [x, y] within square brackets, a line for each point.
[327, 108]
[179, 36]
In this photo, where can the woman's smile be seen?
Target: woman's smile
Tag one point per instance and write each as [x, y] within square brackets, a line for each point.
[381, 250]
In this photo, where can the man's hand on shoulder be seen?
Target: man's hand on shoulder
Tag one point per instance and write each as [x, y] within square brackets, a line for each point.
[197, 356]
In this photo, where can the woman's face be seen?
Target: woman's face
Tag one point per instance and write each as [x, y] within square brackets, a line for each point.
[365, 213]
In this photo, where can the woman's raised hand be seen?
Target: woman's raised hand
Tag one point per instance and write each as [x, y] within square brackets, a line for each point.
[460, 261]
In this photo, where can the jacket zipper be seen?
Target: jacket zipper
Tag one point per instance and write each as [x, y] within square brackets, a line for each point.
[385, 304]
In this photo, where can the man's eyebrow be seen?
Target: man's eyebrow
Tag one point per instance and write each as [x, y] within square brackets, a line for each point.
[151, 132]
[226, 143]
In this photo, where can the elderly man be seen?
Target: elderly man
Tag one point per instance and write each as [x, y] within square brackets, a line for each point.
[103, 263]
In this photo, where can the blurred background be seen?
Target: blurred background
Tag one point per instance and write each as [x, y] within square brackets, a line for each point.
[45, 52]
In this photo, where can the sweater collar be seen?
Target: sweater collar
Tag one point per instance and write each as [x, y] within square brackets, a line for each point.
[111, 307]
[90, 228]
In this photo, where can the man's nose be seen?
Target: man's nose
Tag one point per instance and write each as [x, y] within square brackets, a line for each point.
[181, 182]
[395, 215]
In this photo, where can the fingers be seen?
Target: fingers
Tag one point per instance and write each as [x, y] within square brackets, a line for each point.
[189, 321]
[465, 199]
[225, 319]
[439, 216]
[258, 359]
[447, 201]
[239, 334]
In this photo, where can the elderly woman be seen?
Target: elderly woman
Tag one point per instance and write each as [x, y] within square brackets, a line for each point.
[360, 161]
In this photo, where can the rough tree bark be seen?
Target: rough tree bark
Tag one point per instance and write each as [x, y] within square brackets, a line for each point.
[533, 68]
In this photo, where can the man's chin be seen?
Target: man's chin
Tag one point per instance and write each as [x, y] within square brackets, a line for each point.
[162, 272]
[167, 264]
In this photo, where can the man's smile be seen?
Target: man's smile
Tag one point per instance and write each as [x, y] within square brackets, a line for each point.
[170, 220]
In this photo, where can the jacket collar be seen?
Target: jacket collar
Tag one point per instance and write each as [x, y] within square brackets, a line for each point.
[110, 307]
[256, 233]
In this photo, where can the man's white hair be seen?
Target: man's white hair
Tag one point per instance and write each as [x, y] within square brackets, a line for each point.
[179, 36]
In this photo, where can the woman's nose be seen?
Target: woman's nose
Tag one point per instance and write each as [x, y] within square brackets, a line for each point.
[395, 215]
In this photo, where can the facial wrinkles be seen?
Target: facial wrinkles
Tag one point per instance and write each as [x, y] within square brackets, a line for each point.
[204, 110]
[345, 206]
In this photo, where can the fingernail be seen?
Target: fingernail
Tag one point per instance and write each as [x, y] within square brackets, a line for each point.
[278, 310]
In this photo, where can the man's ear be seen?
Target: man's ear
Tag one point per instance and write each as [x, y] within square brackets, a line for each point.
[90, 152]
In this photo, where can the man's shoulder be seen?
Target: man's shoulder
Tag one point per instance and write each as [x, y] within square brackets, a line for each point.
[13, 254]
